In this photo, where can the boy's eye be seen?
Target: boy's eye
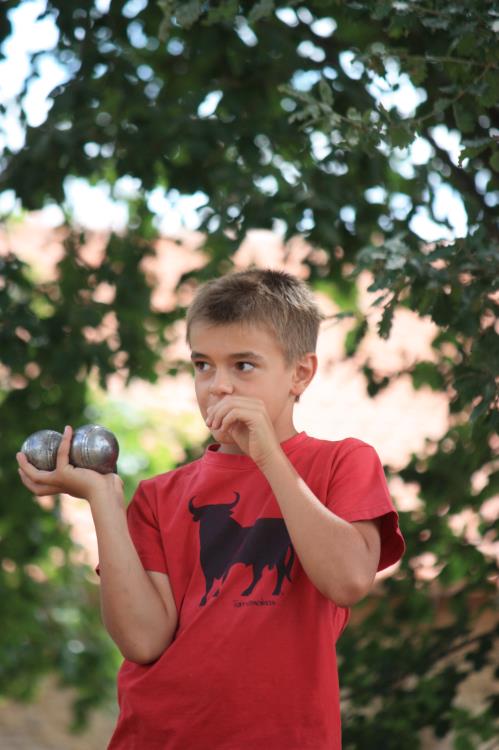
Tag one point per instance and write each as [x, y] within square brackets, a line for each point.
[198, 365]
[245, 366]
[202, 366]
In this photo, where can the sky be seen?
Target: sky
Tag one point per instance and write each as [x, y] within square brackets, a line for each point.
[93, 206]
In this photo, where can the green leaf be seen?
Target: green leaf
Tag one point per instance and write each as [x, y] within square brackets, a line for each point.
[463, 742]
[474, 148]
[326, 92]
[435, 23]
[490, 95]
[427, 373]
[381, 9]
[465, 116]
[401, 136]
[187, 13]
[355, 336]
[441, 104]
[225, 13]
[494, 161]
[418, 73]
[385, 324]
[375, 383]
[261, 9]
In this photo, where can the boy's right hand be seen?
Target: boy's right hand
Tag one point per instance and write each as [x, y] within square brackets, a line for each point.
[67, 478]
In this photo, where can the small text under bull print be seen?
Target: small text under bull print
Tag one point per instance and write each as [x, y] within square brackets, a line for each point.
[254, 603]
[264, 549]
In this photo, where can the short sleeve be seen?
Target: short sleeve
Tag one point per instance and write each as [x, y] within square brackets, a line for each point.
[145, 532]
[357, 491]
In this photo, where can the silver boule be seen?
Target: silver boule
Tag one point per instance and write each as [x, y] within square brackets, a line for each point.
[41, 448]
[94, 447]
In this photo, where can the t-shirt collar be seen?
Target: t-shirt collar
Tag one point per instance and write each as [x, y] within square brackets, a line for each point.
[213, 458]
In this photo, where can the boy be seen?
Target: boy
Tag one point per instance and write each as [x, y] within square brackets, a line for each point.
[228, 581]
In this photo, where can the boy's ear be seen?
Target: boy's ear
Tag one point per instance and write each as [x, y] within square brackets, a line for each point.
[304, 371]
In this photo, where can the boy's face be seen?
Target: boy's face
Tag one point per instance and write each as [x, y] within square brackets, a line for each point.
[245, 360]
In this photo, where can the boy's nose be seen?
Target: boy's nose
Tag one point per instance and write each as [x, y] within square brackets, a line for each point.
[221, 385]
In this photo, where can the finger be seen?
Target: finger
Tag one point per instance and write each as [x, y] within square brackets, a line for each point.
[62, 458]
[217, 413]
[211, 415]
[216, 418]
[233, 416]
[250, 406]
[21, 459]
[34, 474]
[37, 488]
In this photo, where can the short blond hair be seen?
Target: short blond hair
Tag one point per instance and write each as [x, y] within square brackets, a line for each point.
[273, 299]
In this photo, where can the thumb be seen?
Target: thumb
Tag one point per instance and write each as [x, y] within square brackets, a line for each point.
[64, 448]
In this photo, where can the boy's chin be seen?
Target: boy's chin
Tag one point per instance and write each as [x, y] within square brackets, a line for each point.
[227, 444]
[223, 437]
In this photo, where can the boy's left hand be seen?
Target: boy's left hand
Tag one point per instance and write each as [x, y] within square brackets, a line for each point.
[246, 421]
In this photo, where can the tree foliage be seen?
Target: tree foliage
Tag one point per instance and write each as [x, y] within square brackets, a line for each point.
[273, 112]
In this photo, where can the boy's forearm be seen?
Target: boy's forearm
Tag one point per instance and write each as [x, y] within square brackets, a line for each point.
[332, 552]
[132, 610]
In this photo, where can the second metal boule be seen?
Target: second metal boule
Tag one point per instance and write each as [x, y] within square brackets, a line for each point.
[94, 447]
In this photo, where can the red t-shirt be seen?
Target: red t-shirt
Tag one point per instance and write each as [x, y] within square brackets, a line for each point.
[253, 661]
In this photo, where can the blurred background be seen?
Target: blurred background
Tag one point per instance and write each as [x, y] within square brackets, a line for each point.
[149, 146]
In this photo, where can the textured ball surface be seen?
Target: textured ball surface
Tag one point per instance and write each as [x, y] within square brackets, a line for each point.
[94, 447]
[41, 448]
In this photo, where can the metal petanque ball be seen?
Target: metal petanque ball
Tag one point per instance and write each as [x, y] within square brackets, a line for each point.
[41, 448]
[94, 447]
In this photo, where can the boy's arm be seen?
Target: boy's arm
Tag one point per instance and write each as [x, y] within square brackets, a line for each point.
[138, 609]
[139, 613]
[340, 558]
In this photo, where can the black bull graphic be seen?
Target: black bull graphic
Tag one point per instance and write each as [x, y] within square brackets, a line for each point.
[224, 542]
